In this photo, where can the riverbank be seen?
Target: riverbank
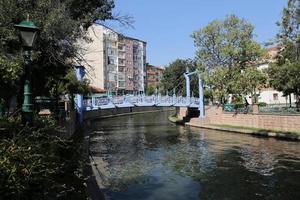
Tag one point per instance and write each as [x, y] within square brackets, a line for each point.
[249, 130]
[282, 126]
[38, 162]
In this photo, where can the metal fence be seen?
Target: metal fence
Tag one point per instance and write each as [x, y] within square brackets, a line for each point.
[263, 108]
[237, 108]
[279, 108]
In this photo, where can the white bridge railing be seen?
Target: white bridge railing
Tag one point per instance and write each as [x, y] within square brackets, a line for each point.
[95, 103]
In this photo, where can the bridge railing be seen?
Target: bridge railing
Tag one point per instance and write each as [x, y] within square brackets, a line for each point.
[129, 101]
[118, 100]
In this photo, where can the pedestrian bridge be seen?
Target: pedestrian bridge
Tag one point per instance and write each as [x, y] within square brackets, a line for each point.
[96, 103]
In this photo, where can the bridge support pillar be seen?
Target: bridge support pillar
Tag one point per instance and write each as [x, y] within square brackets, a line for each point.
[188, 91]
[93, 102]
[201, 100]
[80, 72]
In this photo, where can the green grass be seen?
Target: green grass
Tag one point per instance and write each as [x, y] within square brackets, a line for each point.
[293, 133]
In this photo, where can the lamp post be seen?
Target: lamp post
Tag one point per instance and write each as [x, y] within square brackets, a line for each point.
[28, 32]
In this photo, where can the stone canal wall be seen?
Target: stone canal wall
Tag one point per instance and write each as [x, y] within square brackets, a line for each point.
[215, 116]
[104, 113]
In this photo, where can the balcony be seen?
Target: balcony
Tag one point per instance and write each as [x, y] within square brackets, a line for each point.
[121, 77]
[121, 46]
[121, 84]
[151, 73]
[121, 55]
[122, 62]
[112, 77]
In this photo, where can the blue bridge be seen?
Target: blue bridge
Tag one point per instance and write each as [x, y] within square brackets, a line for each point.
[95, 103]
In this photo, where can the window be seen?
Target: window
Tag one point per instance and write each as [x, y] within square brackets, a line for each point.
[111, 60]
[275, 96]
[121, 69]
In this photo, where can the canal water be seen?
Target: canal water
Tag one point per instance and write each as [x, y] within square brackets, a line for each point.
[145, 157]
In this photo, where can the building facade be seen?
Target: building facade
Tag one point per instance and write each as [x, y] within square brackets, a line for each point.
[268, 94]
[114, 62]
[154, 76]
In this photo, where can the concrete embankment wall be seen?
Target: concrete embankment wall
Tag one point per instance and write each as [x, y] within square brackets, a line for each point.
[103, 113]
[215, 116]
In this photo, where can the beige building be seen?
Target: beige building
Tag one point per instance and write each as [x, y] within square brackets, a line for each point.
[114, 62]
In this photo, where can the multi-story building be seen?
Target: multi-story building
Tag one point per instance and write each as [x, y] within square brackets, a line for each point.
[114, 62]
[154, 76]
[139, 65]
[129, 85]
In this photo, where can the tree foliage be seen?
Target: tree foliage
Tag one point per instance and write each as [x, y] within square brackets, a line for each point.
[10, 71]
[173, 78]
[61, 23]
[226, 54]
[150, 90]
[285, 73]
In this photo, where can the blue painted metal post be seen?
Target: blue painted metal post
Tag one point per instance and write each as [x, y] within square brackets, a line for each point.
[174, 99]
[187, 81]
[80, 72]
[201, 99]
[93, 102]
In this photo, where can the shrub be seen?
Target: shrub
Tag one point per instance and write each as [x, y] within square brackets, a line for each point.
[35, 163]
[262, 104]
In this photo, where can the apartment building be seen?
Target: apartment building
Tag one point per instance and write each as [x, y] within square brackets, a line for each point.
[154, 76]
[114, 62]
[139, 65]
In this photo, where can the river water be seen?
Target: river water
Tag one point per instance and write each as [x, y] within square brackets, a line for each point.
[145, 157]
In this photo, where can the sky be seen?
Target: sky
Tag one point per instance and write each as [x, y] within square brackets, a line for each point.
[167, 25]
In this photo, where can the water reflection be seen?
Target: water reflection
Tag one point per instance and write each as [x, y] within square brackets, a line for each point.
[146, 157]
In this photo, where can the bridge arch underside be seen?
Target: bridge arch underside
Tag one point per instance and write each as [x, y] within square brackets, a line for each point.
[96, 103]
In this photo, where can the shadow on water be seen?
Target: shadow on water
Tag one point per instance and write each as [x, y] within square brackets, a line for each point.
[146, 157]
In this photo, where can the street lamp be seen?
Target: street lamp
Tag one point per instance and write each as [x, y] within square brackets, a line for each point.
[28, 32]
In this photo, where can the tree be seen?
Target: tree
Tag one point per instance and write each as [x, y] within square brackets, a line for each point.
[71, 85]
[62, 23]
[173, 78]
[284, 75]
[150, 90]
[226, 49]
[249, 81]
[10, 72]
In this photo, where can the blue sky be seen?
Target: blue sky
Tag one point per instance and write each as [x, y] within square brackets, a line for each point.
[166, 25]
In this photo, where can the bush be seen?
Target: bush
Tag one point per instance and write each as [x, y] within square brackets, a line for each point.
[35, 163]
[262, 104]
